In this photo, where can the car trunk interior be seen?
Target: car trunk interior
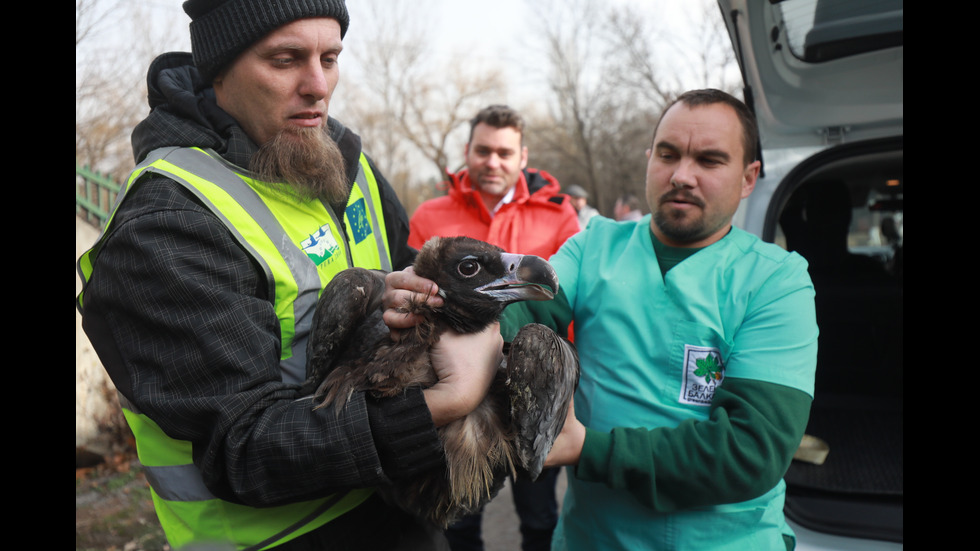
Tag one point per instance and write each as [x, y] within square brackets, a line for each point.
[842, 210]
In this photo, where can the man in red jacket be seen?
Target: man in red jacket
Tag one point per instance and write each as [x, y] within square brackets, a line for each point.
[496, 198]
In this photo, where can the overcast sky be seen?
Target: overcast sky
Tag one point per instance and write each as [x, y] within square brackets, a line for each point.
[488, 24]
[495, 32]
[500, 35]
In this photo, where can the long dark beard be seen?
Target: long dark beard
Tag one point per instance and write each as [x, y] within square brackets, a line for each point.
[305, 160]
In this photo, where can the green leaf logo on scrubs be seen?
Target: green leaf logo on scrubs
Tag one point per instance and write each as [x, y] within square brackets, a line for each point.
[708, 368]
[703, 371]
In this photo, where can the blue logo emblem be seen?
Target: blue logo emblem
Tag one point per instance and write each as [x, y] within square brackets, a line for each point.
[360, 225]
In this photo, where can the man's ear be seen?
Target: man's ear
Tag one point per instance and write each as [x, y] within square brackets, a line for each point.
[749, 177]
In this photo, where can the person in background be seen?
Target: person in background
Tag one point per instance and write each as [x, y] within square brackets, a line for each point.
[580, 200]
[627, 208]
[497, 199]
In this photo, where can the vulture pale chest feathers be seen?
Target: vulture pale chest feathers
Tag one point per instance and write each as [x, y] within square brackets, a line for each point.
[514, 427]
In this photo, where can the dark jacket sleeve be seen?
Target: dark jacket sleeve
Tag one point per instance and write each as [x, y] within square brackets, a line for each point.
[178, 313]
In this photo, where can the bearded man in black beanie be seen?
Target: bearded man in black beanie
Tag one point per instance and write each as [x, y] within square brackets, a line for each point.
[247, 199]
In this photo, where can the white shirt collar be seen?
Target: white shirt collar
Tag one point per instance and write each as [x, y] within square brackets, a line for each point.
[507, 199]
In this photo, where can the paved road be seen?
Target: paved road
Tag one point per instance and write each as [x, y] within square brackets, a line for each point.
[500, 523]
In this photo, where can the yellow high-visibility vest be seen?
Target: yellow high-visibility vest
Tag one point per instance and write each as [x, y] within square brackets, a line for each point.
[301, 246]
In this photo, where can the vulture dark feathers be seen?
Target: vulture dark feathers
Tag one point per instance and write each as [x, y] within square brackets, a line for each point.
[514, 428]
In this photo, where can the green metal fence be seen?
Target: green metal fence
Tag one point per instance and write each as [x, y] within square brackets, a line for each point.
[95, 194]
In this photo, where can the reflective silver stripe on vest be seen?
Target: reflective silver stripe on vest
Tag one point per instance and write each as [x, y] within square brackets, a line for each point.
[304, 272]
[185, 483]
[379, 239]
[173, 482]
[178, 483]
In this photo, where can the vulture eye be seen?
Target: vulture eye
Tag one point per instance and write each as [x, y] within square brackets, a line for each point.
[468, 268]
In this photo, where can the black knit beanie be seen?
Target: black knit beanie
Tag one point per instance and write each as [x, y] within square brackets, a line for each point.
[222, 29]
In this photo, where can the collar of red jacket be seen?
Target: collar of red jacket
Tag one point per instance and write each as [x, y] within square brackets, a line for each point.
[461, 186]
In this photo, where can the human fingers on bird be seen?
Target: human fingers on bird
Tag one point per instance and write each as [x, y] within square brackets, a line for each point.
[401, 288]
[567, 448]
[465, 365]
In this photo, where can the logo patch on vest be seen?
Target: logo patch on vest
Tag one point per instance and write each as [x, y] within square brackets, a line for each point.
[360, 225]
[703, 373]
[320, 246]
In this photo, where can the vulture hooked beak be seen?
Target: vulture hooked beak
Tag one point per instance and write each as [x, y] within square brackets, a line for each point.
[526, 277]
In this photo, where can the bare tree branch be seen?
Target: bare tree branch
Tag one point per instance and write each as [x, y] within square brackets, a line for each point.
[406, 103]
[115, 42]
[608, 85]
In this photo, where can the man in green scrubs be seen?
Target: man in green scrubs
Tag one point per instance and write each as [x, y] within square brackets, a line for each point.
[697, 344]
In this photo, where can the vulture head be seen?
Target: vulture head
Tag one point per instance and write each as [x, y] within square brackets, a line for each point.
[477, 279]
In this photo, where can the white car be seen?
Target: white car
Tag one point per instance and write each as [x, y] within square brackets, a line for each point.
[825, 80]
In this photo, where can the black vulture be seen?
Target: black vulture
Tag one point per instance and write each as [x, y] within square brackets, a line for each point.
[514, 428]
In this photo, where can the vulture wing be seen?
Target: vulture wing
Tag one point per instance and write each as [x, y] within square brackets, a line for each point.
[542, 373]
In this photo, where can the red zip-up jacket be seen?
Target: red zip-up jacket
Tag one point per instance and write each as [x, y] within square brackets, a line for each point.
[536, 221]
